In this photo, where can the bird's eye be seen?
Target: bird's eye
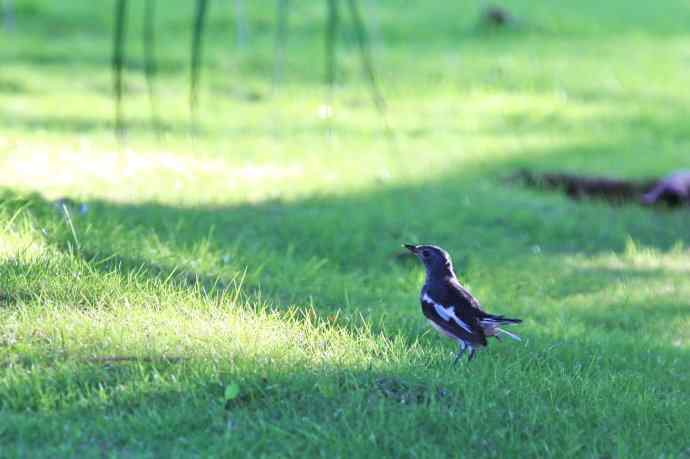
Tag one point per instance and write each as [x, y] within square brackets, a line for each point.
[426, 253]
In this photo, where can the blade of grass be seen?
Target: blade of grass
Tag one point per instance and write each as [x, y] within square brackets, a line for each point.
[150, 61]
[16, 214]
[118, 63]
[197, 42]
[70, 223]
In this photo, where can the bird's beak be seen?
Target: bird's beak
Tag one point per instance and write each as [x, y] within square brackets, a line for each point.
[411, 248]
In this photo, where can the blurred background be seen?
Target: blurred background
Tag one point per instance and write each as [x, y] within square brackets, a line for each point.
[302, 142]
[226, 103]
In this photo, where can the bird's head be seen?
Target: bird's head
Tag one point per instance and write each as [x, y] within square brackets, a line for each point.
[435, 259]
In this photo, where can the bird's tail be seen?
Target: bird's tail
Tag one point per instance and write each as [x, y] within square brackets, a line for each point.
[500, 319]
[512, 335]
[494, 321]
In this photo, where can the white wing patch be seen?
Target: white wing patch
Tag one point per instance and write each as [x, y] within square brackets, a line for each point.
[447, 314]
[441, 330]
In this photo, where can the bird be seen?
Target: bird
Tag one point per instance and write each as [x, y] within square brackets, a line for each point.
[451, 309]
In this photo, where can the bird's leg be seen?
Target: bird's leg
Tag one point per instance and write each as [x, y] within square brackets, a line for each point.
[471, 356]
[461, 351]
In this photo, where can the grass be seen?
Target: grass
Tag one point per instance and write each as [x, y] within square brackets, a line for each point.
[262, 254]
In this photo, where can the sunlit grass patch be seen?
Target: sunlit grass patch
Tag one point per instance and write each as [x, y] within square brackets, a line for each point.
[116, 342]
[126, 176]
[639, 257]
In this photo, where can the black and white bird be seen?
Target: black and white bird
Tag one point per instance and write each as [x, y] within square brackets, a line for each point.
[451, 309]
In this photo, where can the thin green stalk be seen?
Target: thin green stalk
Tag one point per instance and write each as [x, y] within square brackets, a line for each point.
[282, 16]
[367, 63]
[68, 219]
[118, 64]
[9, 16]
[150, 61]
[242, 29]
[331, 37]
[197, 42]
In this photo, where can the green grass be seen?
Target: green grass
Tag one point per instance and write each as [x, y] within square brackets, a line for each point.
[262, 254]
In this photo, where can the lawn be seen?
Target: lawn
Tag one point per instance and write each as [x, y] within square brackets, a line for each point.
[240, 292]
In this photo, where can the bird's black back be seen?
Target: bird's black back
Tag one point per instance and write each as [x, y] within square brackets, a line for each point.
[449, 292]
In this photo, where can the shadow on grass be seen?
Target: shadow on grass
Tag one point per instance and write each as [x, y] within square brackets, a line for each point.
[74, 124]
[165, 398]
[328, 249]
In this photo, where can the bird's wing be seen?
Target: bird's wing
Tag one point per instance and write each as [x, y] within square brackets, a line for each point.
[450, 319]
[458, 295]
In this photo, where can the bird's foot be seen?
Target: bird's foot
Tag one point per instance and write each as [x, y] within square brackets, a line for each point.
[461, 352]
[457, 358]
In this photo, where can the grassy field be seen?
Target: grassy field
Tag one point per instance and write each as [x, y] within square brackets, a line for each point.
[240, 293]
